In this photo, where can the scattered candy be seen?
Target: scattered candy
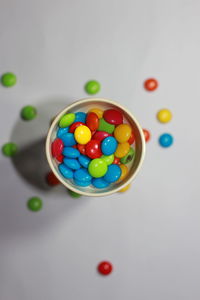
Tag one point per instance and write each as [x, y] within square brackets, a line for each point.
[92, 121]
[113, 116]
[105, 126]
[166, 140]
[109, 145]
[67, 120]
[8, 79]
[147, 135]
[122, 133]
[105, 268]
[82, 135]
[97, 111]
[97, 168]
[73, 194]
[122, 150]
[164, 115]
[52, 179]
[128, 157]
[34, 204]
[28, 113]
[151, 84]
[126, 188]
[9, 149]
[92, 87]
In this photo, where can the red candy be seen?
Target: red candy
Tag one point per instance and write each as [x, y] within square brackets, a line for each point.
[57, 147]
[74, 126]
[151, 84]
[105, 268]
[81, 148]
[116, 161]
[146, 135]
[92, 121]
[131, 139]
[100, 135]
[113, 116]
[93, 149]
[52, 179]
[60, 158]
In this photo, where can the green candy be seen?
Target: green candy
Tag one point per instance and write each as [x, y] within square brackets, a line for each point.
[92, 87]
[8, 79]
[9, 149]
[128, 157]
[108, 159]
[67, 120]
[34, 204]
[28, 112]
[74, 194]
[97, 168]
[105, 126]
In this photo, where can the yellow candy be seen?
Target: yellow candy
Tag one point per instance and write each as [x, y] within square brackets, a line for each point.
[122, 149]
[82, 135]
[124, 170]
[122, 133]
[126, 188]
[164, 115]
[97, 111]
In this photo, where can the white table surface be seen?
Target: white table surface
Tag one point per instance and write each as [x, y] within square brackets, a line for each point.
[151, 233]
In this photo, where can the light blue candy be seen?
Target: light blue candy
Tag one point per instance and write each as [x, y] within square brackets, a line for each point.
[84, 160]
[68, 139]
[80, 117]
[65, 171]
[82, 183]
[70, 152]
[109, 145]
[61, 131]
[113, 173]
[72, 163]
[82, 175]
[99, 183]
[166, 140]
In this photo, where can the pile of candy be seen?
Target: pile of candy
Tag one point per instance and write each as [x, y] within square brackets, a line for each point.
[94, 147]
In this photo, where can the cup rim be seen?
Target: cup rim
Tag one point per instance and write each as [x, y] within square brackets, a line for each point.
[70, 107]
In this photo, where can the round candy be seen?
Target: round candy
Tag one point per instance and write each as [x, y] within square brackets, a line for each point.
[68, 139]
[166, 140]
[61, 131]
[92, 121]
[126, 188]
[82, 135]
[151, 84]
[57, 147]
[131, 139]
[97, 168]
[73, 194]
[82, 175]
[65, 171]
[122, 133]
[67, 120]
[113, 116]
[72, 163]
[93, 149]
[34, 204]
[60, 158]
[124, 173]
[92, 87]
[105, 268]
[28, 112]
[97, 111]
[105, 126]
[82, 183]
[164, 115]
[74, 126]
[122, 150]
[9, 149]
[84, 160]
[52, 179]
[113, 174]
[108, 159]
[80, 117]
[100, 183]
[146, 135]
[116, 160]
[100, 135]
[71, 152]
[81, 148]
[109, 145]
[128, 157]
[8, 79]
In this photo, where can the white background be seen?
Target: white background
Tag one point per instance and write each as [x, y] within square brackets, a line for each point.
[151, 233]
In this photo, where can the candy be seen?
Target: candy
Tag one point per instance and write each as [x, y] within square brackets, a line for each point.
[52, 179]
[72, 163]
[113, 116]
[92, 121]
[97, 111]
[128, 157]
[116, 160]
[8, 79]
[164, 115]
[82, 175]
[113, 174]
[61, 131]
[146, 135]
[166, 140]
[73, 194]
[92, 87]
[70, 152]
[74, 126]
[57, 147]
[84, 160]
[82, 183]
[9, 149]
[80, 117]
[67, 120]
[122, 133]
[97, 168]
[108, 159]
[109, 145]
[68, 139]
[100, 135]
[131, 139]
[100, 183]
[124, 173]
[93, 149]
[105, 268]
[122, 149]
[82, 135]
[81, 148]
[28, 113]
[34, 204]
[151, 84]
[60, 158]
[105, 126]
[65, 171]
[126, 188]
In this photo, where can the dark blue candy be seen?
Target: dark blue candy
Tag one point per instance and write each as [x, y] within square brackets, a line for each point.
[82, 175]
[68, 139]
[84, 160]
[65, 171]
[72, 163]
[109, 145]
[61, 131]
[80, 117]
[99, 183]
[113, 173]
[70, 152]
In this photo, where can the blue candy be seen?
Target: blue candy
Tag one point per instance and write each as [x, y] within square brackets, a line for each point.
[65, 171]
[100, 183]
[70, 152]
[61, 131]
[166, 140]
[109, 145]
[80, 117]
[72, 163]
[84, 160]
[113, 173]
[68, 139]
[82, 175]
[82, 183]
